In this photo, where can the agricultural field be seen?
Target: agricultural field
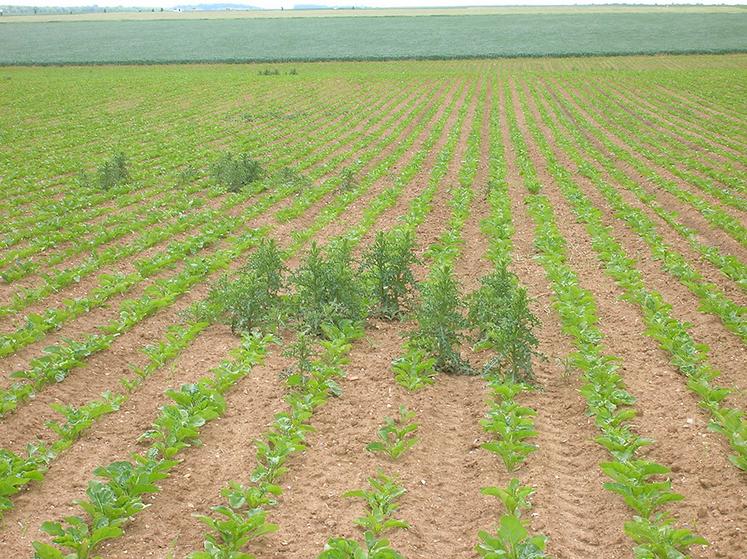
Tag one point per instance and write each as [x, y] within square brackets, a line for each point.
[426, 309]
[273, 36]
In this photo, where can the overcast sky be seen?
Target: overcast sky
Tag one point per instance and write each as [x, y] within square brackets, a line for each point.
[277, 4]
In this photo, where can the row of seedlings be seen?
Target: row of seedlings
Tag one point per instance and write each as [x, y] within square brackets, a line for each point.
[728, 265]
[687, 356]
[53, 366]
[639, 481]
[711, 298]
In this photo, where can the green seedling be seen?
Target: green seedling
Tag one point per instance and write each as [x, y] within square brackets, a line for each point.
[231, 531]
[515, 497]
[414, 370]
[631, 481]
[511, 541]
[397, 436]
[381, 502]
[375, 548]
[657, 538]
[511, 424]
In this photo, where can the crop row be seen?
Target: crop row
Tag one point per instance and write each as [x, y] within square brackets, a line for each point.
[260, 142]
[685, 354]
[636, 480]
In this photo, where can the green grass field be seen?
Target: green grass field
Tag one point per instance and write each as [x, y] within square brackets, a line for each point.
[506, 34]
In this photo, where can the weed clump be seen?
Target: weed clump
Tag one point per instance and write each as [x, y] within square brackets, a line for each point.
[328, 290]
[235, 172]
[387, 270]
[251, 299]
[499, 310]
[441, 323]
[112, 172]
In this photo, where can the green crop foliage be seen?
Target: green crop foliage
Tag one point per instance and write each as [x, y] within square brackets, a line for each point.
[659, 539]
[381, 500]
[452, 36]
[511, 539]
[375, 548]
[515, 497]
[397, 436]
[511, 424]
[414, 370]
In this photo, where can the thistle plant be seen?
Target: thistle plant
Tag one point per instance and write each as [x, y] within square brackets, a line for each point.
[440, 322]
[499, 310]
[235, 172]
[328, 289]
[387, 269]
[252, 297]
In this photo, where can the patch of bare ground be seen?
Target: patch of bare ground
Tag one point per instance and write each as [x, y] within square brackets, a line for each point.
[667, 412]
[579, 516]
[689, 216]
[601, 121]
[728, 353]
